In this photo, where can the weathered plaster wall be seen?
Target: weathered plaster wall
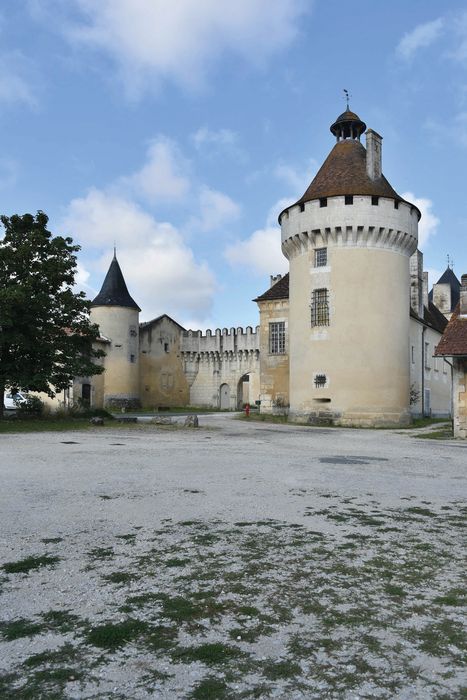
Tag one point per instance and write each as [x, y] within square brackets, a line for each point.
[459, 381]
[274, 368]
[436, 372]
[121, 376]
[162, 379]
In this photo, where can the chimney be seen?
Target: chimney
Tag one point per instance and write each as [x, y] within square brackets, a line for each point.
[425, 289]
[442, 297]
[416, 283]
[463, 303]
[273, 279]
[373, 154]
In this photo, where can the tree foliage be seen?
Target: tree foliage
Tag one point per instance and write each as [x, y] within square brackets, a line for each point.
[45, 333]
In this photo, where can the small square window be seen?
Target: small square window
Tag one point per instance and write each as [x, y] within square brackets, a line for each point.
[132, 358]
[375, 201]
[323, 202]
[320, 381]
[349, 198]
[321, 257]
[302, 206]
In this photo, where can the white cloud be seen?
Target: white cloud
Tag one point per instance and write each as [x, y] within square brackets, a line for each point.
[160, 269]
[277, 208]
[15, 83]
[216, 209]
[428, 223]
[422, 36]
[297, 178]
[153, 40]
[162, 177]
[261, 252]
[209, 137]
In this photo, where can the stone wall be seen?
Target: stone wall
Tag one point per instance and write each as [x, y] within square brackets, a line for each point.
[459, 382]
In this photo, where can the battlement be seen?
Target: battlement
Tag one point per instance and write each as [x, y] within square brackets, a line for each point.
[220, 340]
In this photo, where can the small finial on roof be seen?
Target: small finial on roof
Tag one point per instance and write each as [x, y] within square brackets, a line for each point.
[115, 251]
[450, 262]
[347, 97]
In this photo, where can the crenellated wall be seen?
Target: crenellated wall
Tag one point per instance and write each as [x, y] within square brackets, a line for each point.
[221, 367]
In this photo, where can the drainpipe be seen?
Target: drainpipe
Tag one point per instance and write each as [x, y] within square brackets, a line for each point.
[423, 371]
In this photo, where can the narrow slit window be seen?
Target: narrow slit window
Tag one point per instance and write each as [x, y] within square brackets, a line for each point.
[396, 204]
[320, 308]
[302, 207]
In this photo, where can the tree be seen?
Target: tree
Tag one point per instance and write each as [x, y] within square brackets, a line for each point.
[46, 335]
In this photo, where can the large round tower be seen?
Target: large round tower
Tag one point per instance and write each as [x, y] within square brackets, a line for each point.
[117, 316]
[348, 241]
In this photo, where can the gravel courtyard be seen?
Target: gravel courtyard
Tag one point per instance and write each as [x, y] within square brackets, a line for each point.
[239, 560]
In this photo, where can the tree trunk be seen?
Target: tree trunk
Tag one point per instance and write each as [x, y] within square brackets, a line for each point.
[2, 394]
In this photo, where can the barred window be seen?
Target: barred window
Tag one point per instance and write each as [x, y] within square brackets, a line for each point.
[277, 338]
[320, 381]
[320, 308]
[321, 257]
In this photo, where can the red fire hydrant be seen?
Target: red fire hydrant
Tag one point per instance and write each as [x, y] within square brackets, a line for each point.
[247, 410]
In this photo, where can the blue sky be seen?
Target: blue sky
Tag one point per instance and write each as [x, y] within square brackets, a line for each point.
[178, 130]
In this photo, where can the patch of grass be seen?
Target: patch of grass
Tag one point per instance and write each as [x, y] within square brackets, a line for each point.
[395, 591]
[112, 636]
[61, 620]
[23, 566]
[63, 655]
[210, 689]
[436, 435]
[275, 670]
[439, 638]
[455, 596]
[176, 562]
[16, 629]
[418, 510]
[101, 553]
[120, 577]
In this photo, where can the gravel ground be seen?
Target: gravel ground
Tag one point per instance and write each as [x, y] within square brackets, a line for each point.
[239, 560]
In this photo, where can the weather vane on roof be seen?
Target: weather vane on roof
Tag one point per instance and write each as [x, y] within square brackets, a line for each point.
[450, 261]
[347, 97]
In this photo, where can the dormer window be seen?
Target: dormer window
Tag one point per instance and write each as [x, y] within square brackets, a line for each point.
[349, 198]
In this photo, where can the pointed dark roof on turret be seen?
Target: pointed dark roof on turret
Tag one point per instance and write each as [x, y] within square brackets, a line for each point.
[448, 277]
[114, 291]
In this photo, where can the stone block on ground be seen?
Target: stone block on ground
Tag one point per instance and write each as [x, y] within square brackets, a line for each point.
[97, 420]
[161, 420]
[191, 422]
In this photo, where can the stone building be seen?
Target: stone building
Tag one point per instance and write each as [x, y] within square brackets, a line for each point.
[347, 336]
[453, 345]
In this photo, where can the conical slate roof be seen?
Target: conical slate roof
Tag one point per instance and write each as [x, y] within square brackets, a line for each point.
[114, 291]
[448, 277]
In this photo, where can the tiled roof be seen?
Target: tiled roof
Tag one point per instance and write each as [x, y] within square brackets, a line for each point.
[344, 172]
[454, 340]
[280, 290]
[114, 291]
[154, 321]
